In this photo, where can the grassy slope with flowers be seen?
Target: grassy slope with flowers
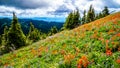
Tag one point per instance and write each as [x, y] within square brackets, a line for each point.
[93, 45]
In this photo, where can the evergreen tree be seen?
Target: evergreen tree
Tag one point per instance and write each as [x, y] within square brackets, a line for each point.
[105, 11]
[68, 22]
[34, 33]
[84, 17]
[90, 14]
[4, 36]
[16, 37]
[100, 15]
[76, 18]
[53, 30]
[0, 40]
[72, 21]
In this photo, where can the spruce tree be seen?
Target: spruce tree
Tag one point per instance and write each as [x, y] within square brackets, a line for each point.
[84, 17]
[68, 22]
[0, 40]
[53, 30]
[16, 37]
[73, 20]
[5, 36]
[90, 14]
[76, 19]
[105, 11]
[34, 33]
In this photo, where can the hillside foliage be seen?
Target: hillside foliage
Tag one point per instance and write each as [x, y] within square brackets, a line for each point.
[74, 20]
[93, 45]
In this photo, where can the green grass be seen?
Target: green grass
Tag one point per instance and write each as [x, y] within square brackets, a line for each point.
[65, 49]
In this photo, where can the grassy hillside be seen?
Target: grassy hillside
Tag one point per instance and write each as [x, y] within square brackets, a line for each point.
[93, 45]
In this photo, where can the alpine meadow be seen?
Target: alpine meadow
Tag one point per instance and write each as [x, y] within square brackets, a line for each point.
[59, 34]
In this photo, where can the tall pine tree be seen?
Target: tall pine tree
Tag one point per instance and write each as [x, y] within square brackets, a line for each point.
[76, 19]
[0, 40]
[105, 11]
[72, 21]
[84, 17]
[34, 33]
[16, 37]
[90, 14]
[68, 22]
[53, 30]
[4, 36]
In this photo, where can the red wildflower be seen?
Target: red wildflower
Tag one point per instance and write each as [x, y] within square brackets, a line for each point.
[62, 52]
[108, 52]
[82, 62]
[118, 61]
[68, 58]
[118, 34]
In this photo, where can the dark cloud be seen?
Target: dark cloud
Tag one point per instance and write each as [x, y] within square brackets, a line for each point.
[25, 4]
[61, 10]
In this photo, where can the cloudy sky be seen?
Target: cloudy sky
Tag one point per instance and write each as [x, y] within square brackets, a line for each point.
[53, 8]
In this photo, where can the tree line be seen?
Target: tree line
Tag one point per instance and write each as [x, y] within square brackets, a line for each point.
[74, 19]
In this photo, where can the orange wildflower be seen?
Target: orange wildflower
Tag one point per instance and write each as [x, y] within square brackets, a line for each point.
[62, 52]
[76, 49]
[118, 61]
[68, 58]
[54, 52]
[33, 51]
[6, 64]
[110, 31]
[79, 63]
[82, 62]
[108, 52]
[115, 22]
[46, 50]
[119, 48]
[118, 34]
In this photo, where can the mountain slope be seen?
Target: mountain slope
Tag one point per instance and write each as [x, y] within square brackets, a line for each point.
[93, 45]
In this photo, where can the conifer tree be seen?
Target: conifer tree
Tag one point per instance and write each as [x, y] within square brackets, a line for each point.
[53, 30]
[84, 17]
[76, 19]
[90, 14]
[0, 40]
[4, 36]
[73, 20]
[68, 22]
[105, 11]
[16, 37]
[34, 33]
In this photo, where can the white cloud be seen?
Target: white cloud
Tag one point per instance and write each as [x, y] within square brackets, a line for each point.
[42, 7]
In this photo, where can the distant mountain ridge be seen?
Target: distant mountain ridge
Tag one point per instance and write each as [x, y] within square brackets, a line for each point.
[42, 25]
[48, 19]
